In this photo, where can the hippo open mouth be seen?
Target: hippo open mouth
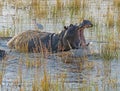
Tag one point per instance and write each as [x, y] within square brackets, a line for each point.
[83, 25]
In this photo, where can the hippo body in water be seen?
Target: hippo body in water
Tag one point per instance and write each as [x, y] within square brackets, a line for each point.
[2, 54]
[72, 37]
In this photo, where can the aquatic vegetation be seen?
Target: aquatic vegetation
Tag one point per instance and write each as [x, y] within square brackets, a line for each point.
[110, 18]
[41, 85]
[59, 5]
[75, 5]
[1, 6]
[57, 11]
[1, 77]
[118, 24]
[116, 3]
[38, 9]
[5, 33]
[109, 51]
[33, 62]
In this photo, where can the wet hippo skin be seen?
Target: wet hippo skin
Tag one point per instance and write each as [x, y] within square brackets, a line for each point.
[72, 37]
[2, 54]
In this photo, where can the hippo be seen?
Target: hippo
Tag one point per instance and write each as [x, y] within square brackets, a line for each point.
[2, 54]
[72, 37]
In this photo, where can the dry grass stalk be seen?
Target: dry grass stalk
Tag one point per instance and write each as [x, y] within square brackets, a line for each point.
[116, 3]
[39, 9]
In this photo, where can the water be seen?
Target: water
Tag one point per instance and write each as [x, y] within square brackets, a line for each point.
[95, 72]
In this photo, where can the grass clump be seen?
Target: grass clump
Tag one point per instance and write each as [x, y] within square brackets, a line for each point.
[110, 18]
[5, 33]
[43, 84]
[109, 51]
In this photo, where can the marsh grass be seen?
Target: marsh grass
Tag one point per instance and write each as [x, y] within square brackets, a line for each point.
[109, 51]
[1, 6]
[84, 4]
[1, 77]
[58, 9]
[43, 84]
[59, 5]
[74, 5]
[33, 62]
[39, 9]
[110, 18]
[118, 24]
[116, 3]
[17, 4]
[5, 33]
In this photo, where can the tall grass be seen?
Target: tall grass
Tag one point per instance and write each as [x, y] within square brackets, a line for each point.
[38, 9]
[75, 5]
[58, 9]
[109, 51]
[116, 3]
[110, 18]
[5, 33]
[1, 6]
[118, 24]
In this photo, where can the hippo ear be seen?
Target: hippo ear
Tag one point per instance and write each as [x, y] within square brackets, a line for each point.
[70, 25]
[65, 27]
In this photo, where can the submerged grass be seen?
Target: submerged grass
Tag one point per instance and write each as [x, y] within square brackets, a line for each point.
[109, 51]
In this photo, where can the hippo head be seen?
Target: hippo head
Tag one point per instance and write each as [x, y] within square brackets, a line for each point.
[86, 24]
[74, 35]
[82, 26]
